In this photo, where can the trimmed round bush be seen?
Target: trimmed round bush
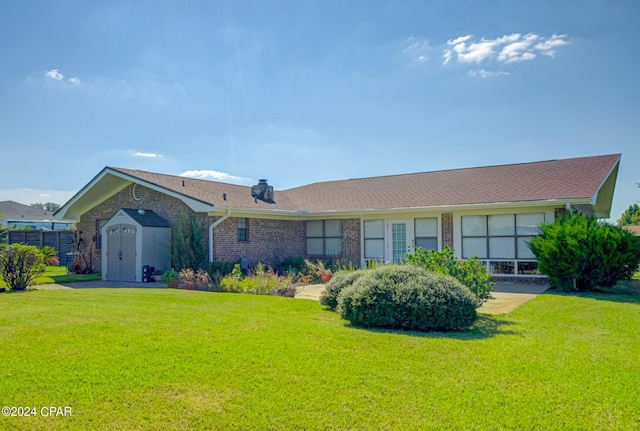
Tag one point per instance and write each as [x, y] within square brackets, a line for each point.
[339, 281]
[408, 297]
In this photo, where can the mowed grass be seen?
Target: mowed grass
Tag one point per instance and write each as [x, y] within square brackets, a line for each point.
[171, 359]
[58, 274]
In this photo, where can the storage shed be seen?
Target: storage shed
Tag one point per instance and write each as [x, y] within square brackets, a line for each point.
[134, 238]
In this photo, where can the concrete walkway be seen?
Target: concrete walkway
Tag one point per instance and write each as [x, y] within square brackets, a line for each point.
[505, 297]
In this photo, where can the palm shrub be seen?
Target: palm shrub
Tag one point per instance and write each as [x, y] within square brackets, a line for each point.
[50, 256]
[20, 264]
[470, 272]
[408, 297]
[339, 281]
[580, 249]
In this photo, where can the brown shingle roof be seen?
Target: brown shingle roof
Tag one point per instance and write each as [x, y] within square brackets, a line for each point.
[565, 179]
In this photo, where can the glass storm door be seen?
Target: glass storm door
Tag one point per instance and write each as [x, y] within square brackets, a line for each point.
[400, 237]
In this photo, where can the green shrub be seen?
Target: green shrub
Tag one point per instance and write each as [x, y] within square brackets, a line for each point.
[408, 297]
[258, 281]
[470, 272]
[339, 281]
[295, 265]
[187, 249]
[20, 264]
[582, 249]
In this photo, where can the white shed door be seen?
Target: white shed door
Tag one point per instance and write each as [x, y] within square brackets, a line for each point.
[121, 253]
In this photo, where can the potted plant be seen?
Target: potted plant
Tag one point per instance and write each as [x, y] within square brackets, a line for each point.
[172, 278]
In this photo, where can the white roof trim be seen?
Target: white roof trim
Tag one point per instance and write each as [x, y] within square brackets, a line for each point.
[194, 204]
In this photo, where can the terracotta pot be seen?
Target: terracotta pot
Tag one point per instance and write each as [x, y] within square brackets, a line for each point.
[173, 284]
[324, 278]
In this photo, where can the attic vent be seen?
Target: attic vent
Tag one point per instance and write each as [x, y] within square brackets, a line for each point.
[137, 193]
[263, 191]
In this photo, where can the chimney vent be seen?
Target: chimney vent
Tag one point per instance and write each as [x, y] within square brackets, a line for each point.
[263, 192]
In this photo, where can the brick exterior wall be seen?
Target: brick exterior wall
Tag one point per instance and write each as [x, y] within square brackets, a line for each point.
[351, 242]
[272, 241]
[167, 207]
[446, 219]
[268, 241]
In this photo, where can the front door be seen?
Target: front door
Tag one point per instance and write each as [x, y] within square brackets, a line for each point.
[399, 240]
[121, 253]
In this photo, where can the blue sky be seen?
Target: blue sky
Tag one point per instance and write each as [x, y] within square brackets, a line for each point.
[306, 91]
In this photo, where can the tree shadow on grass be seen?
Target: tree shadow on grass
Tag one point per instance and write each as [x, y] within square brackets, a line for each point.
[624, 292]
[485, 326]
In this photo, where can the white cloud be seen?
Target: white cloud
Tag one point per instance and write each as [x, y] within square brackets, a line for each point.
[207, 174]
[482, 73]
[417, 50]
[548, 46]
[74, 80]
[54, 74]
[148, 155]
[509, 48]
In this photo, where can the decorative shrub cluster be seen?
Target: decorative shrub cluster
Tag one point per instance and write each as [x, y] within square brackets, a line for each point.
[582, 249]
[339, 281]
[407, 297]
[259, 281]
[20, 264]
[469, 272]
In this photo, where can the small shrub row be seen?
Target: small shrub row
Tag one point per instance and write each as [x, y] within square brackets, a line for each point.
[407, 297]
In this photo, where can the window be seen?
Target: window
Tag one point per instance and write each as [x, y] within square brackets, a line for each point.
[374, 240]
[98, 237]
[242, 229]
[426, 233]
[324, 237]
[502, 238]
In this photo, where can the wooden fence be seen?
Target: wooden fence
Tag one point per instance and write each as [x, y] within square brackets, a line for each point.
[60, 240]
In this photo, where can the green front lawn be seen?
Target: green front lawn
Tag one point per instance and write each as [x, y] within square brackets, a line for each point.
[173, 359]
[58, 274]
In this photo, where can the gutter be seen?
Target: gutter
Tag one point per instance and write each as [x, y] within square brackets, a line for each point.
[211, 227]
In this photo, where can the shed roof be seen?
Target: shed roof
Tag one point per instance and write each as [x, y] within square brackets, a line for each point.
[146, 218]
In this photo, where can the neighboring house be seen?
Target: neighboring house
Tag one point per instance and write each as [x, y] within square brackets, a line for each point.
[17, 215]
[487, 211]
[633, 229]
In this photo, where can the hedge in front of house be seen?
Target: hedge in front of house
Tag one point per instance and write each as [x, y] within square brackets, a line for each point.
[408, 297]
[339, 281]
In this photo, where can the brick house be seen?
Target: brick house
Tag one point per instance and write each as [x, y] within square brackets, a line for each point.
[489, 211]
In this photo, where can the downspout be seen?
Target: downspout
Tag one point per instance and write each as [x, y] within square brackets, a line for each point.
[211, 227]
[568, 208]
